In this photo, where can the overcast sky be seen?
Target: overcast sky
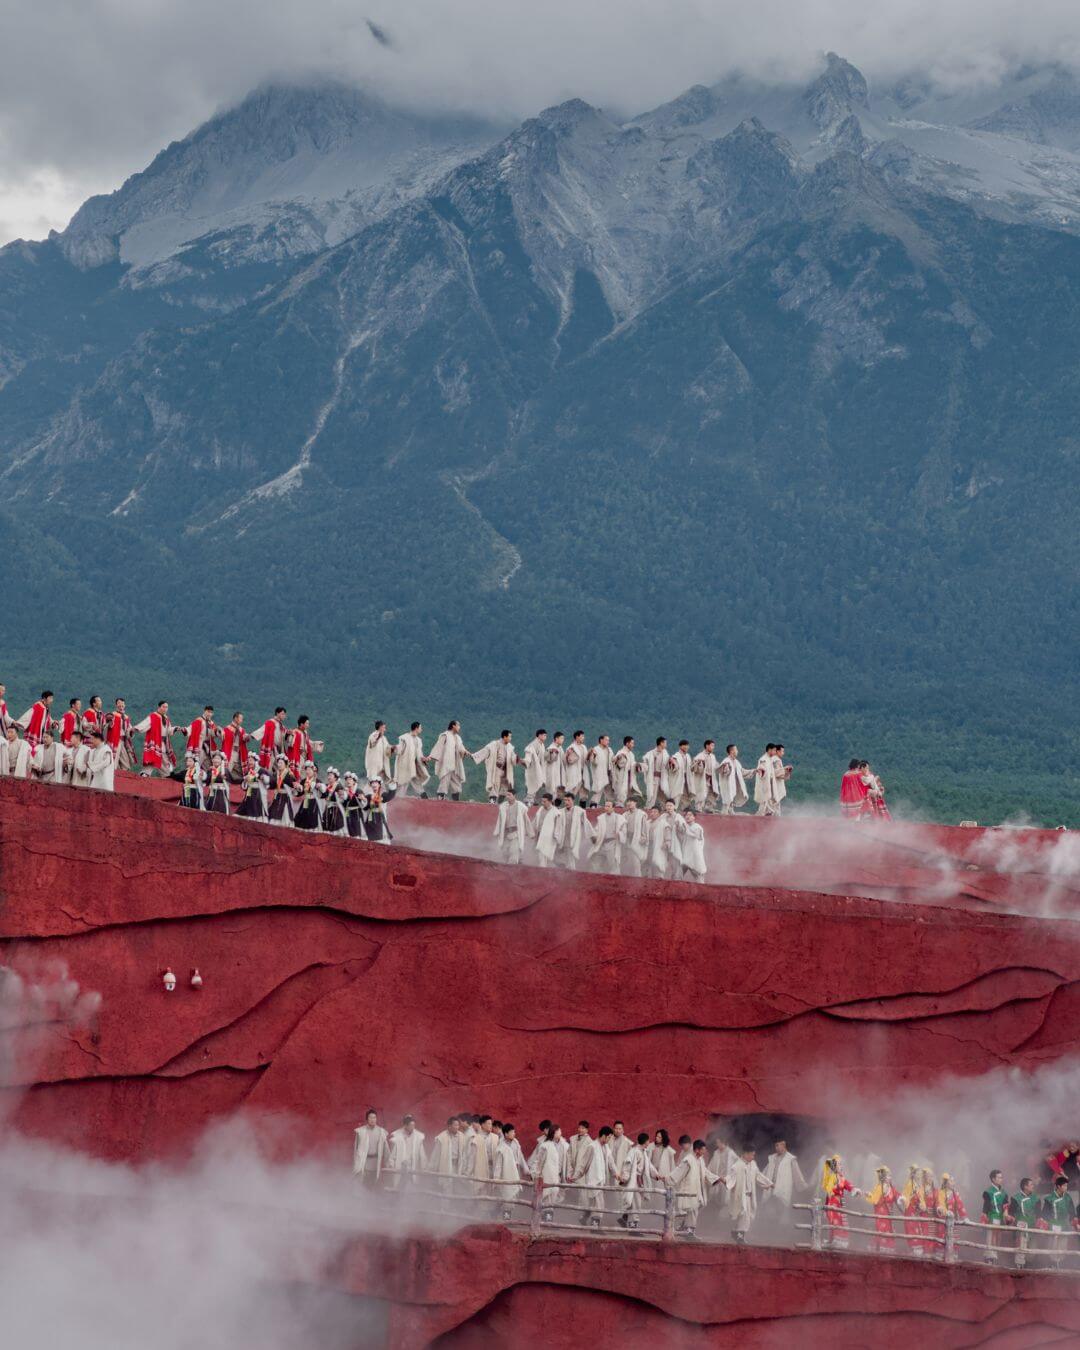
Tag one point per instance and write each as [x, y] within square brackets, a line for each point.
[90, 90]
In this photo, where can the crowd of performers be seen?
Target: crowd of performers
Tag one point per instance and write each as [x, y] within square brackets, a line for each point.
[85, 746]
[622, 1173]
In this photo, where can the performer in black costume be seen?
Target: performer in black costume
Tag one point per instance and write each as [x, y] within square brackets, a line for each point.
[353, 806]
[191, 794]
[374, 811]
[217, 792]
[308, 814]
[333, 814]
[282, 811]
[253, 805]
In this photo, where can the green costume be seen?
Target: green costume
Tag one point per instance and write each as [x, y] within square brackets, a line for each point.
[1024, 1208]
[995, 1199]
[1058, 1211]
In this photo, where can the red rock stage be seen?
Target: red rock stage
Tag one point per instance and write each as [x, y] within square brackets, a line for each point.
[339, 974]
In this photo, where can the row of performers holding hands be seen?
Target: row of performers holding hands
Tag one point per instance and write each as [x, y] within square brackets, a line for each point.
[340, 804]
[921, 1200]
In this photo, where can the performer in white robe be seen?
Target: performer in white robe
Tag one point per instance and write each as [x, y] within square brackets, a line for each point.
[371, 1149]
[781, 775]
[412, 769]
[635, 840]
[765, 793]
[377, 753]
[654, 768]
[605, 853]
[618, 1148]
[601, 762]
[733, 792]
[706, 778]
[689, 1179]
[680, 782]
[76, 767]
[47, 763]
[743, 1182]
[536, 767]
[448, 755]
[576, 776]
[546, 829]
[100, 763]
[638, 1176]
[447, 1152]
[693, 849]
[624, 771]
[548, 1165]
[665, 844]
[511, 828]
[554, 777]
[784, 1172]
[723, 1158]
[588, 1170]
[577, 834]
[480, 1156]
[662, 1155]
[499, 758]
[406, 1153]
[509, 1169]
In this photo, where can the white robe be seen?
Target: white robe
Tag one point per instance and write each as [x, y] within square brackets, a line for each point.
[547, 829]
[624, 771]
[446, 1154]
[640, 1177]
[765, 782]
[47, 763]
[488, 755]
[589, 1171]
[576, 774]
[705, 777]
[101, 767]
[693, 850]
[732, 778]
[635, 849]
[654, 769]
[665, 844]
[448, 755]
[411, 769]
[662, 1159]
[689, 1178]
[407, 1151]
[535, 758]
[15, 758]
[607, 841]
[511, 830]
[742, 1183]
[364, 1138]
[784, 1172]
[377, 763]
[680, 777]
[555, 769]
[548, 1166]
[601, 758]
[577, 830]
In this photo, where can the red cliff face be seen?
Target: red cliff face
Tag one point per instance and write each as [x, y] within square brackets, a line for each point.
[338, 975]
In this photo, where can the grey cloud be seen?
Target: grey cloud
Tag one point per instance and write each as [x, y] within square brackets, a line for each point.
[91, 89]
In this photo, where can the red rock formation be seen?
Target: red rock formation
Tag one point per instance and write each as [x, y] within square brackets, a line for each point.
[338, 974]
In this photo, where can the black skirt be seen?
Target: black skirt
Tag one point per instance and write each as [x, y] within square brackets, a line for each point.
[333, 818]
[281, 808]
[217, 799]
[307, 815]
[191, 797]
[251, 808]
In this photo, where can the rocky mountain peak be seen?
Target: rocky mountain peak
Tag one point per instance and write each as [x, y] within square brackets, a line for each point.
[838, 92]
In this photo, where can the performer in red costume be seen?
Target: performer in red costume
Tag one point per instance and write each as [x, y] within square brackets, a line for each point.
[36, 720]
[931, 1230]
[302, 749]
[157, 745]
[271, 738]
[234, 741]
[93, 718]
[201, 736]
[854, 793]
[71, 721]
[883, 1199]
[118, 736]
[835, 1186]
[948, 1199]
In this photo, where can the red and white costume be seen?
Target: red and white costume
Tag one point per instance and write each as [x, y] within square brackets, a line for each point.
[35, 722]
[299, 748]
[118, 736]
[271, 738]
[234, 741]
[854, 795]
[69, 724]
[157, 748]
[201, 738]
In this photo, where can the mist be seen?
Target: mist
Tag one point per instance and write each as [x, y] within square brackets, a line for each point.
[89, 92]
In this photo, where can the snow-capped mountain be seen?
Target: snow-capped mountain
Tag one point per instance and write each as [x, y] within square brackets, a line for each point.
[796, 352]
